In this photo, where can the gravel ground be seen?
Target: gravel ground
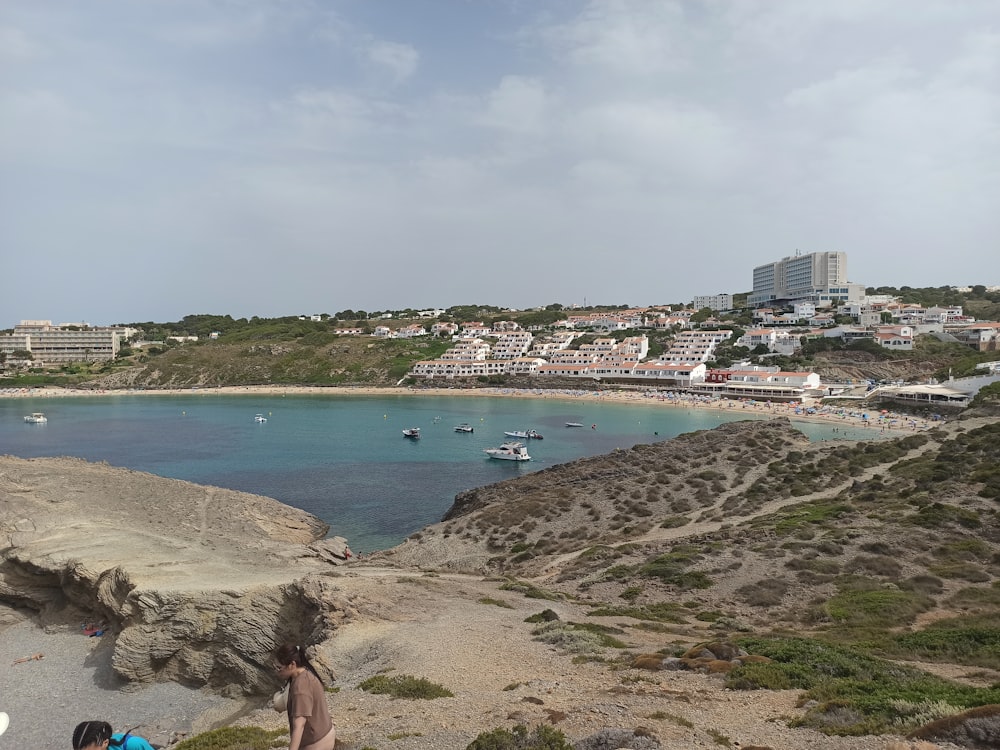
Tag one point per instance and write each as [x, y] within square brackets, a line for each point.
[46, 698]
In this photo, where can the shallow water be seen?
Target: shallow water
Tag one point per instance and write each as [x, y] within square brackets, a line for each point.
[343, 458]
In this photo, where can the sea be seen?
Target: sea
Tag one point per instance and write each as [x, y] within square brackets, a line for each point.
[343, 458]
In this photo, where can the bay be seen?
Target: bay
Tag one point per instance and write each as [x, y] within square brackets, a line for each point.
[343, 458]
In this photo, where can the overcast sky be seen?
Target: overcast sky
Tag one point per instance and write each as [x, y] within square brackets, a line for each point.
[160, 158]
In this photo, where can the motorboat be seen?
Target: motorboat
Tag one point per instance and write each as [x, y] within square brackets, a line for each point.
[464, 428]
[523, 434]
[259, 418]
[511, 451]
[412, 432]
[36, 418]
[574, 424]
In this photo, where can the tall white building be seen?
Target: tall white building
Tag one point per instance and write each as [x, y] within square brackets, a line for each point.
[717, 302]
[820, 278]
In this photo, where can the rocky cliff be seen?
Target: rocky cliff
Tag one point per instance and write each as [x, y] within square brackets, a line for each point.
[197, 583]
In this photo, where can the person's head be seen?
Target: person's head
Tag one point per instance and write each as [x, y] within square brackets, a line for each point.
[91, 735]
[288, 659]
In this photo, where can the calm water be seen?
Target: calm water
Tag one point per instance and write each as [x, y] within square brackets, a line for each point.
[342, 458]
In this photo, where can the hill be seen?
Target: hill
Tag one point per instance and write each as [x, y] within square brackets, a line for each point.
[733, 586]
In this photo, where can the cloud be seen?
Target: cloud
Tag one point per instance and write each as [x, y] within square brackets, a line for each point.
[399, 60]
[622, 37]
[518, 105]
[667, 141]
[16, 45]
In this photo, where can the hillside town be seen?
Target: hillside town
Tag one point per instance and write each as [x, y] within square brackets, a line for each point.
[794, 300]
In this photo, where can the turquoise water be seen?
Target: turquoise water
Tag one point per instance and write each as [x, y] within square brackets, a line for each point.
[342, 458]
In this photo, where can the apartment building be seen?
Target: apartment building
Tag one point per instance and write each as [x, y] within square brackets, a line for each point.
[777, 340]
[715, 302]
[817, 277]
[695, 346]
[468, 349]
[512, 345]
[71, 342]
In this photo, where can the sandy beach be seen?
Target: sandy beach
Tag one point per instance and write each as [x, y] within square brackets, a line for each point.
[879, 422]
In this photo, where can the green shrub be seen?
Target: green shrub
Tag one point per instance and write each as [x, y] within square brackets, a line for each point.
[531, 591]
[959, 640]
[854, 693]
[233, 738]
[876, 607]
[405, 686]
[658, 612]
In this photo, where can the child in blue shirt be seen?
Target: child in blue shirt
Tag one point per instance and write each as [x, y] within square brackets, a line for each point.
[97, 735]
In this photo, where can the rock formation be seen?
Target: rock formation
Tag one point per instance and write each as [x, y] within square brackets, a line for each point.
[197, 584]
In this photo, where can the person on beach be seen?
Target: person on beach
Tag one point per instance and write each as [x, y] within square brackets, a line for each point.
[309, 723]
[98, 735]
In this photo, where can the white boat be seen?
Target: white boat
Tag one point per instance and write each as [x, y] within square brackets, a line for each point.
[36, 418]
[259, 418]
[574, 424]
[509, 452]
[523, 434]
[413, 433]
[464, 427]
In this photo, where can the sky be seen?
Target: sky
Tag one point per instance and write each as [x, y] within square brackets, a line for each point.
[163, 158]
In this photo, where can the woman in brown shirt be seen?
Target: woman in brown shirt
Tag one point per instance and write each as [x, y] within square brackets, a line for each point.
[309, 722]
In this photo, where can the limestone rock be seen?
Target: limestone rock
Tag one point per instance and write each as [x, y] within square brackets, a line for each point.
[196, 584]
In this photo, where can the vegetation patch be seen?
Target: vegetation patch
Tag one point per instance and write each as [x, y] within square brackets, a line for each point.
[234, 738]
[531, 591]
[578, 638]
[854, 693]
[658, 612]
[496, 602]
[672, 569]
[875, 608]
[520, 738]
[405, 686]
[962, 640]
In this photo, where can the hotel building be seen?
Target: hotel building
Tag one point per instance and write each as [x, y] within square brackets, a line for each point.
[820, 278]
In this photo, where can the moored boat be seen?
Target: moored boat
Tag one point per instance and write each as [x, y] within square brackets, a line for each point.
[36, 418]
[412, 432]
[511, 451]
[574, 424]
[524, 434]
[464, 427]
[259, 418]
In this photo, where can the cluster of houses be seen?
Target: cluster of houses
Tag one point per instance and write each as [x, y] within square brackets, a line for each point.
[505, 348]
[682, 367]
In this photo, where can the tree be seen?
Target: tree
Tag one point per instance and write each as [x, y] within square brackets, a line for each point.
[702, 315]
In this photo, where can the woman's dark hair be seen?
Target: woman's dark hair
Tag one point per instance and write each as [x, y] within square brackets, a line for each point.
[89, 733]
[289, 654]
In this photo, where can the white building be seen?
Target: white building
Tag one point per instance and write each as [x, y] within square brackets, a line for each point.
[695, 346]
[69, 342]
[715, 302]
[817, 277]
[512, 345]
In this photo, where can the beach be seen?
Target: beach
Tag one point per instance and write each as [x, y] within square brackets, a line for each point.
[878, 422]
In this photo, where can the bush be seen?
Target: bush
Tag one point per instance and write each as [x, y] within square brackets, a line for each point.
[405, 686]
[852, 692]
[519, 738]
[232, 738]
